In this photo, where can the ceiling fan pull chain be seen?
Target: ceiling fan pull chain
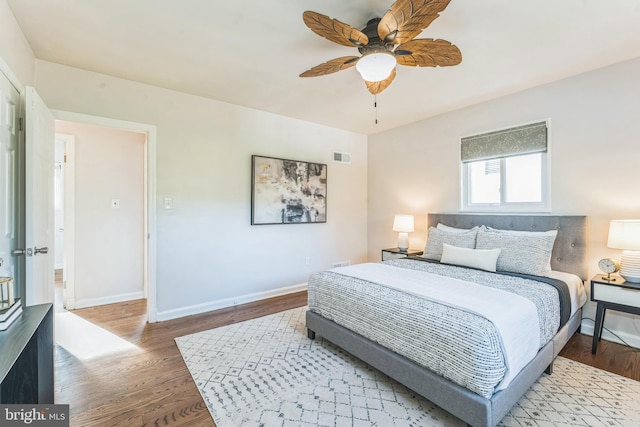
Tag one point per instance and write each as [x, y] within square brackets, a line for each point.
[375, 105]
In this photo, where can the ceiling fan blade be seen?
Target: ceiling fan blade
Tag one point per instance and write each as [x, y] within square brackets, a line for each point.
[428, 53]
[407, 18]
[332, 66]
[377, 87]
[334, 30]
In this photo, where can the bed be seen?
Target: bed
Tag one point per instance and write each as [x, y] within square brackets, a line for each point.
[466, 382]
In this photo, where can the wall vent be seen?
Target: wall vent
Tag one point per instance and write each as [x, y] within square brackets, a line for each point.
[341, 157]
[341, 264]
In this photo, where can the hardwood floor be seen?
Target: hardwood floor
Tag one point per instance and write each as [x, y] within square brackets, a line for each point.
[151, 386]
[611, 356]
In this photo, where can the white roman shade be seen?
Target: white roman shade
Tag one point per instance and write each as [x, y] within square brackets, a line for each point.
[516, 141]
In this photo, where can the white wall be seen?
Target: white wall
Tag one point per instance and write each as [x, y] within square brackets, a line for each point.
[595, 162]
[208, 254]
[16, 56]
[109, 164]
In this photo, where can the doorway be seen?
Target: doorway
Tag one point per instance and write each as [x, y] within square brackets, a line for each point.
[107, 257]
[108, 202]
[64, 180]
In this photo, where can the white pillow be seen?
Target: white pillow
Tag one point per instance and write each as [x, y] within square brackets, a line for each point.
[483, 259]
[435, 239]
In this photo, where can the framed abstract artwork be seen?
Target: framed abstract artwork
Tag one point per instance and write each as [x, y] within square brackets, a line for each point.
[287, 191]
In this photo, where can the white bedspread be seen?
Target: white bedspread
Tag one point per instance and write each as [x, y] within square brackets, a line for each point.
[514, 317]
[576, 288]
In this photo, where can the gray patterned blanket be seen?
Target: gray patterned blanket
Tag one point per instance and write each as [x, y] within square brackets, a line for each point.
[462, 346]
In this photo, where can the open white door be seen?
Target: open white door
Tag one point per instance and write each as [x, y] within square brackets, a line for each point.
[39, 203]
[9, 184]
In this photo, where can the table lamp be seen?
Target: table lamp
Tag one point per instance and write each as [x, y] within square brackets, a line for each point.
[404, 225]
[625, 235]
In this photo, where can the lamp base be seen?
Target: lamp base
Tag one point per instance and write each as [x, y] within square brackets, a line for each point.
[403, 242]
[630, 266]
[631, 279]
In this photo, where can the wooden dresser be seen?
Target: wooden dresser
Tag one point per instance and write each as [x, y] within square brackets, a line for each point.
[26, 357]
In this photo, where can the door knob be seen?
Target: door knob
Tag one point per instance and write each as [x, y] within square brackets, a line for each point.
[37, 250]
[17, 252]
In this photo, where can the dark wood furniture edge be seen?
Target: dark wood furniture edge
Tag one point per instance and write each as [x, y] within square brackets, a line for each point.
[31, 332]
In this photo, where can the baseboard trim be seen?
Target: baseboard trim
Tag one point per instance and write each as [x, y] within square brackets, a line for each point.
[92, 302]
[227, 302]
[629, 339]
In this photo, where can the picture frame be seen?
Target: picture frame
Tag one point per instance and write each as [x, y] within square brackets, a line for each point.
[287, 191]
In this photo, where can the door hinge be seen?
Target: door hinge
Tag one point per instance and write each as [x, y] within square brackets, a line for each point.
[65, 158]
[20, 124]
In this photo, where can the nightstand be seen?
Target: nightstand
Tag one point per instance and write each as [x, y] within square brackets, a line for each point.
[395, 253]
[616, 295]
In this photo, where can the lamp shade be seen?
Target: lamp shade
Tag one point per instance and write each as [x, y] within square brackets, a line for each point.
[375, 67]
[624, 234]
[403, 223]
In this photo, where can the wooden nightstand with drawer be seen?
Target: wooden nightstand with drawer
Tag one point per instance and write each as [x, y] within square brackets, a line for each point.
[615, 295]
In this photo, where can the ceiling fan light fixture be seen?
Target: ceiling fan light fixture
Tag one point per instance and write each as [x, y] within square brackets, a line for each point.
[385, 42]
[376, 66]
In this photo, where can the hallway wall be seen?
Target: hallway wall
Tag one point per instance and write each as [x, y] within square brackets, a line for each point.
[109, 167]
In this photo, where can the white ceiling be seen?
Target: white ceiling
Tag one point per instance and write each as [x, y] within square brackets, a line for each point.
[251, 52]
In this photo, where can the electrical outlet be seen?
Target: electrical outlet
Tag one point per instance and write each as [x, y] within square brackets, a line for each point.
[307, 261]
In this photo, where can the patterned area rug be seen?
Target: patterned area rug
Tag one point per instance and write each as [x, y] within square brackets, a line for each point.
[266, 372]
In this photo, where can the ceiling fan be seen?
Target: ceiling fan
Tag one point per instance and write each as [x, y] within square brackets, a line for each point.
[385, 42]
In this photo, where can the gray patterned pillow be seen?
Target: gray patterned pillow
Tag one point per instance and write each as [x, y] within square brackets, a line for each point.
[522, 252]
[436, 238]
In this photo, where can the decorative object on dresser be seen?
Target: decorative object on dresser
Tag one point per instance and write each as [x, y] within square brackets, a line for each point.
[287, 191]
[403, 224]
[617, 295]
[9, 314]
[625, 235]
[395, 253]
[6, 292]
[10, 307]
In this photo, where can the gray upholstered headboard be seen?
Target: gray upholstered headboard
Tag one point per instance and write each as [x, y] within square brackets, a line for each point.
[570, 248]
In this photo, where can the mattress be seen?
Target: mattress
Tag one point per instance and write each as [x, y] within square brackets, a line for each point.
[459, 343]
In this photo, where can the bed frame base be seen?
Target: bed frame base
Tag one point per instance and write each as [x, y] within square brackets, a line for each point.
[470, 407]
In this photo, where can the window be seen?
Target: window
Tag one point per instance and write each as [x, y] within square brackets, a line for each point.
[505, 170]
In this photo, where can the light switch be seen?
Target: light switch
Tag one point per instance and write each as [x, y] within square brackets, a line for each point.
[115, 203]
[168, 203]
